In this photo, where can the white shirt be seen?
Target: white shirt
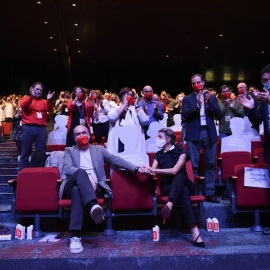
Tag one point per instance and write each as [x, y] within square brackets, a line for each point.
[202, 113]
[86, 163]
[164, 151]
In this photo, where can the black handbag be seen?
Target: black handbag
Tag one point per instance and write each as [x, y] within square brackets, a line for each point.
[16, 136]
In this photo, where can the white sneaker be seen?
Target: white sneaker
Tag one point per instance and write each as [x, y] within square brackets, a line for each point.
[75, 245]
[97, 214]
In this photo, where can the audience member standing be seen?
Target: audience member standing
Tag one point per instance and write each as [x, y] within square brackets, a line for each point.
[153, 109]
[126, 114]
[242, 90]
[230, 108]
[100, 121]
[34, 122]
[79, 112]
[199, 109]
[9, 109]
[261, 114]
[175, 107]
[62, 107]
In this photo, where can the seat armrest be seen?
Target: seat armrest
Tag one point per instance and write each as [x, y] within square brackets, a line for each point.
[255, 159]
[219, 161]
[232, 179]
[198, 180]
[12, 182]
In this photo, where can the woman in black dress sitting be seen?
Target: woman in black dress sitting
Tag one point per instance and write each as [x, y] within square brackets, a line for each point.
[170, 162]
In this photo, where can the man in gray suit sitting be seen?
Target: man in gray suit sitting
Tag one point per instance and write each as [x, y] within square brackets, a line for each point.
[84, 167]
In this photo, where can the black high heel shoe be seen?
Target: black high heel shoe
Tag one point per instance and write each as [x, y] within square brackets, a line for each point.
[165, 212]
[198, 244]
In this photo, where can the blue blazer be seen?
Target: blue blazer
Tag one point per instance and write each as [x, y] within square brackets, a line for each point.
[256, 116]
[191, 112]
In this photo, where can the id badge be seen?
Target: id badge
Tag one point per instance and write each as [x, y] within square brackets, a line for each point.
[20, 123]
[66, 109]
[227, 118]
[39, 115]
[122, 123]
[82, 122]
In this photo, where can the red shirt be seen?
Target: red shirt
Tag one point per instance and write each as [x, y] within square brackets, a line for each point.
[34, 111]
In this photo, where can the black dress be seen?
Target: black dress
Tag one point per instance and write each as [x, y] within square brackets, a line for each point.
[177, 187]
[75, 121]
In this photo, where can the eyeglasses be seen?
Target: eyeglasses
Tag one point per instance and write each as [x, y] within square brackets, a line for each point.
[263, 81]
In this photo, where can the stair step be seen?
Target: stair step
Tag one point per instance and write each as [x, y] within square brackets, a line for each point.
[8, 171]
[4, 178]
[6, 198]
[9, 160]
[5, 189]
[8, 165]
[5, 207]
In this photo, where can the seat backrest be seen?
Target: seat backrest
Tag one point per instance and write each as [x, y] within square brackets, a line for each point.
[151, 157]
[250, 196]
[131, 191]
[255, 145]
[178, 137]
[37, 189]
[189, 171]
[56, 147]
[229, 159]
[259, 152]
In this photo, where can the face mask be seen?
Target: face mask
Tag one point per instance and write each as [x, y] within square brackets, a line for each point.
[37, 93]
[160, 143]
[197, 87]
[226, 95]
[266, 86]
[83, 140]
[180, 98]
[67, 96]
[240, 91]
[80, 96]
[8, 100]
[129, 100]
[155, 98]
[113, 99]
[94, 98]
[62, 96]
[148, 96]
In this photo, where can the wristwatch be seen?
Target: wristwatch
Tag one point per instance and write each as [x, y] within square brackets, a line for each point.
[136, 169]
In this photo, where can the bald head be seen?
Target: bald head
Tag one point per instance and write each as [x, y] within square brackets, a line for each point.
[243, 86]
[80, 130]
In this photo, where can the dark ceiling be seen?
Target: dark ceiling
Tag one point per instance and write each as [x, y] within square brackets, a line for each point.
[126, 42]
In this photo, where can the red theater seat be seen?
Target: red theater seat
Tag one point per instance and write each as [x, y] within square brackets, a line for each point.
[131, 191]
[249, 199]
[259, 155]
[7, 129]
[255, 145]
[56, 147]
[36, 194]
[195, 199]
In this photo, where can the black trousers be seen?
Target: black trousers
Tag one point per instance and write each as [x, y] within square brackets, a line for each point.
[100, 130]
[79, 189]
[178, 192]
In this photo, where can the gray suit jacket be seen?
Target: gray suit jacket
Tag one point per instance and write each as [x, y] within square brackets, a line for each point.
[99, 155]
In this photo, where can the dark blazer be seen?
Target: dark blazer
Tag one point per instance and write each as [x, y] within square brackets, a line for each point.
[99, 155]
[256, 116]
[191, 112]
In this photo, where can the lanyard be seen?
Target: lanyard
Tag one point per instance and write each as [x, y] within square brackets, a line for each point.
[148, 108]
[81, 111]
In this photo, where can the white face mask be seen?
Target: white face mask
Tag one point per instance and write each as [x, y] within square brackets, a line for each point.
[160, 143]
